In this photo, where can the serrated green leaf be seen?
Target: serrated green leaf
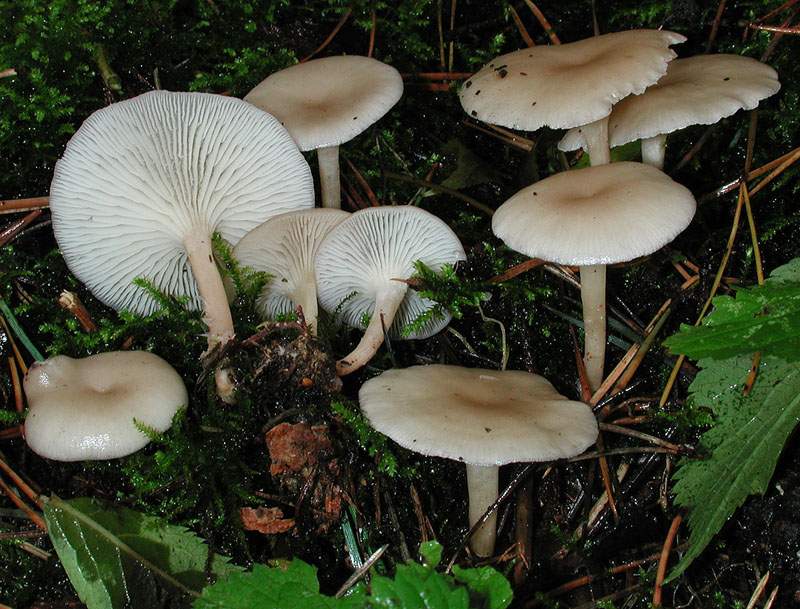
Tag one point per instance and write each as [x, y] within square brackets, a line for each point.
[762, 318]
[118, 558]
[488, 583]
[745, 442]
[292, 585]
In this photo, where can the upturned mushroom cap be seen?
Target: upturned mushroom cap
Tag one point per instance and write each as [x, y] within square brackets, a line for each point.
[698, 90]
[598, 215]
[84, 409]
[563, 86]
[370, 251]
[285, 247]
[328, 101]
[481, 417]
[142, 175]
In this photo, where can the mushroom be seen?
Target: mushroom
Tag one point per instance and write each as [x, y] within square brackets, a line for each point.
[569, 85]
[483, 418]
[361, 270]
[327, 102]
[698, 90]
[89, 409]
[145, 183]
[284, 247]
[593, 217]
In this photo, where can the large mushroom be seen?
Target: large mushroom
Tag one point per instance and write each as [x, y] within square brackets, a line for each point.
[569, 85]
[327, 102]
[361, 270]
[483, 418]
[284, 247]
[145, 183]
[88, 409]
[593, 217]
[695, 91]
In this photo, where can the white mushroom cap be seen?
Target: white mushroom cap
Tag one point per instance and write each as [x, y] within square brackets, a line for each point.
[698, 90]
[142, 176]
[563, 86]
[285, 247]
[481, 417]
[597, 215]
[328, 101]
[84, 409]
[374, 247]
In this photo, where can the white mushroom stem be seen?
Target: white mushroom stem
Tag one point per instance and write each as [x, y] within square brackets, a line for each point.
[386, 305]
[596, 136]
[328, 159]
[653, 151]
[305, 296]
[593, 296]
[216, 312]
[483, 488]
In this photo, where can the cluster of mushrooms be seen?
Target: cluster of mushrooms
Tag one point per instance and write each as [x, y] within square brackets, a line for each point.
[145, 184]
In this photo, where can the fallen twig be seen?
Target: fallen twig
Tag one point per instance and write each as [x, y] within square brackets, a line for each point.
[664, 559]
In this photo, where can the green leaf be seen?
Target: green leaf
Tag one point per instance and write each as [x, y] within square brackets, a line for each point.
[744, 443]
[292, 585]
[488, 583]
[762, 318]
[431, 553]
[119, 558]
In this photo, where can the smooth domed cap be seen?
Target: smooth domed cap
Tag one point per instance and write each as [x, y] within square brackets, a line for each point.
[478, 416]
[598, 215]
[373, 247]
[285, 247]
[142, 175]
[698, 90]
[563, 86]
[84, 409]
[328, 101]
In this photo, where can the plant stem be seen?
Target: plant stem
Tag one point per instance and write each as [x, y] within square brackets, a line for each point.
[483, 488]
[653, 151]
[593, 296]
[330, 188]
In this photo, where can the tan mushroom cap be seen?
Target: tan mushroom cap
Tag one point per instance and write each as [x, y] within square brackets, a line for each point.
[84, 409]
[478, 416]
[597, 215]
[567, 85]
[328, 101]
[695, 91]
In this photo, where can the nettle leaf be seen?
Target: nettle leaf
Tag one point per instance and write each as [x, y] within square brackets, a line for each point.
[118, 558]
[744, 443]
[762, 318]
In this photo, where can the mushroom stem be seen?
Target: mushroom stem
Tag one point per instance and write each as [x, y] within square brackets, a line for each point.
[596, 137]
[593, 296]
[305, 296]
[216, 312]
[483, 489]
[653, 150]
[330, 188]
[386, 305]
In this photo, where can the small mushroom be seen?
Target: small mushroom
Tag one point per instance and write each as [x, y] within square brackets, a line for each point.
[483, 418]
[327, 102]
[145, 183]
[698, 90]
[87, 409]
[361, 270]
[569, 85]
[284, 247]
[593, 217]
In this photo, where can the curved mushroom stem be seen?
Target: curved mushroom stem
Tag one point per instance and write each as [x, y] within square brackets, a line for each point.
[483, 489]
[328, 159]
[593, 296]
[216, 312]
[386, 306]
[653, 151]
[305, 296]
[596, 136]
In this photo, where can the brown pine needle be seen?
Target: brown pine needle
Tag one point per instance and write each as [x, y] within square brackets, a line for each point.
[21, 484]
[11, 206]
[9, 233]
[664, 559]
[775, 11]
[771, 599]
[17, 354]
[753, 235]
[439, 188]
[526, 37]
[640, 435]
[362, 182]
[342, 20]
[517, 269]
[759, 590]
[16, 500]
[777, 171]
[543, 22]
[507, 137]
[780, 29]
[19, 404]
[372, 32]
